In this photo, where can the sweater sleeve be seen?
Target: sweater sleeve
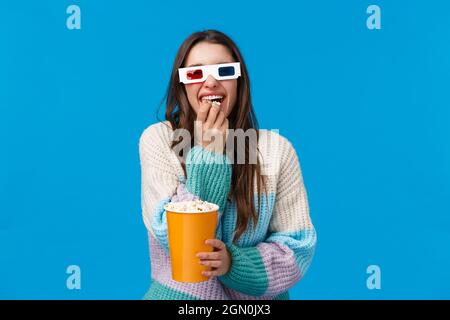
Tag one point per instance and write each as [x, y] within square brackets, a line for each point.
[159, 181]
[208, 175]
[275, 265]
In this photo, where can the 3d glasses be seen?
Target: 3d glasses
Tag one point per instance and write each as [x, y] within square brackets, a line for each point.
[223, 71]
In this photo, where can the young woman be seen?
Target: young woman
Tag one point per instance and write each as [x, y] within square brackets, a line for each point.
[265, 240]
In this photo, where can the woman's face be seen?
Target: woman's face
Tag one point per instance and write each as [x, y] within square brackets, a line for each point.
[205, 53]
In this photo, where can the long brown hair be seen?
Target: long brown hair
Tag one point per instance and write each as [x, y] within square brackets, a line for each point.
[181, 116]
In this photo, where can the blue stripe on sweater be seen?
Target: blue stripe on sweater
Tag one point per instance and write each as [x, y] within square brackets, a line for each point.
[159, 223]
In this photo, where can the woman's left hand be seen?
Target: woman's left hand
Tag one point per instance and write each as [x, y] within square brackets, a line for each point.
[219, 259]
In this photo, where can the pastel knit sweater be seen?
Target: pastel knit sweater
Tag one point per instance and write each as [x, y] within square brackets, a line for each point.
[267, 260]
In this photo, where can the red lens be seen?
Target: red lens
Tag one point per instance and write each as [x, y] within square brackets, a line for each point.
[194, 74]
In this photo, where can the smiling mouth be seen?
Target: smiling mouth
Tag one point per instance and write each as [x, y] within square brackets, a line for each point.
[214, 98]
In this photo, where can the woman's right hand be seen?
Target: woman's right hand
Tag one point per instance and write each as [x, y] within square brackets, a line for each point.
[213, 124]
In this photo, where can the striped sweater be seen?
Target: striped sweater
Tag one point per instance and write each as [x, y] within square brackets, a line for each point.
[267, 260]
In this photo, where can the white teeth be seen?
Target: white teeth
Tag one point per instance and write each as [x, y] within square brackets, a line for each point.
[211, 97]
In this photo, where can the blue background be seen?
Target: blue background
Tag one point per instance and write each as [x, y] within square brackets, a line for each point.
[366, 110]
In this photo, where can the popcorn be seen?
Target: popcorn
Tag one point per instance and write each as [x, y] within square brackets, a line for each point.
[195, 206]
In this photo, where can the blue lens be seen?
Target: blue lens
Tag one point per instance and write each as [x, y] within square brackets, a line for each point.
[226, 71]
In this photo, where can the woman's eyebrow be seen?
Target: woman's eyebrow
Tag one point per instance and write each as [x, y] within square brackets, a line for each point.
[201, 64]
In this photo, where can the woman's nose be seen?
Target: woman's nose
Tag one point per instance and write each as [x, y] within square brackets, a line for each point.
[211, 82]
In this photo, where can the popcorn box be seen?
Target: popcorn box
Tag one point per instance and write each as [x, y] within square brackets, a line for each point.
[189, 226]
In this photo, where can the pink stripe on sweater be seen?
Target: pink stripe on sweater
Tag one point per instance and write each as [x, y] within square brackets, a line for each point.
[281, 267]
[236, 295]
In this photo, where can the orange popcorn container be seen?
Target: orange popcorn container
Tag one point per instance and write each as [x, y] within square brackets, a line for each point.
[187, 235]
